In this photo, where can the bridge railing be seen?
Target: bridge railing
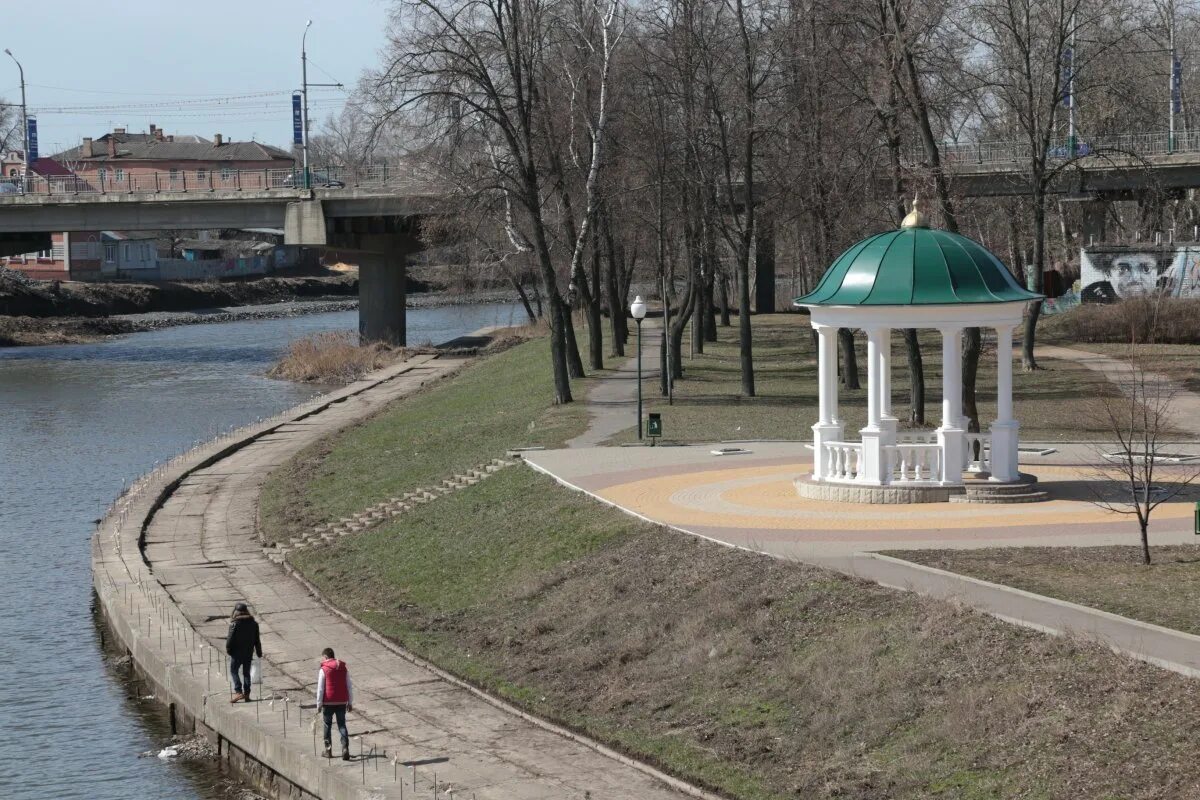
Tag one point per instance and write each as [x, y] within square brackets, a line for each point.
[1014, 152]
[116, 180]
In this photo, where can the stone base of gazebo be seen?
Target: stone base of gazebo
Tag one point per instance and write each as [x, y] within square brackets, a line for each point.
[979, 487]
[812, 489]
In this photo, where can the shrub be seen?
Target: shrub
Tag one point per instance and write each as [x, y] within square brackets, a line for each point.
[332, 357]
[1145, 319]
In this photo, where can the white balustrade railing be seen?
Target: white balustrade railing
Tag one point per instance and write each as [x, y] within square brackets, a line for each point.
[917, 437]
[843, 461]
[909, 462]
[977, 452]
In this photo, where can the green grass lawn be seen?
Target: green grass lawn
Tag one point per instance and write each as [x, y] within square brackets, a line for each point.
[1110, 578]
[708, 404]
[755, 677]
[498, 402]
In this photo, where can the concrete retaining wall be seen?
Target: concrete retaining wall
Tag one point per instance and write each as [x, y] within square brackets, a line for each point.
[188, 675]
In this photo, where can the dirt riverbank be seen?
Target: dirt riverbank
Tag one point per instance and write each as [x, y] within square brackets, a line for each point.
[42, 312]
[25, 298]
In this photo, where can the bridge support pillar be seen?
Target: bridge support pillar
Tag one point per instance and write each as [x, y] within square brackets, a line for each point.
[382, 280]
[1095, 218]
[380, 246]
[764, 265]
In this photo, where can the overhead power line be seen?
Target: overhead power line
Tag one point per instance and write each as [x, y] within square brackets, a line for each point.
[213, 101]
[151, 94]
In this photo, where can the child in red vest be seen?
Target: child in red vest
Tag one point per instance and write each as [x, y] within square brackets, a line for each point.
[334, 697]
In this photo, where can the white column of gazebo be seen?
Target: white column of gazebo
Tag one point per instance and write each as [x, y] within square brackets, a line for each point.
[883, 455]
[914, 277]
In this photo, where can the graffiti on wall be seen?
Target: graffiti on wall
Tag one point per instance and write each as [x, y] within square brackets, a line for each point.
[1119, 272]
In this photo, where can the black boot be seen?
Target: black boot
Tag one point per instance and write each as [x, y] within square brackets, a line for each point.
[328, 750]
[345, 751]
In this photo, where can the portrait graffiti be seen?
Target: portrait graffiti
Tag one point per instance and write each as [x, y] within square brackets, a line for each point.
[1117, 272]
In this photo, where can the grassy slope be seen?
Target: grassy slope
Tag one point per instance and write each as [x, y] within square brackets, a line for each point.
[1111, 578]
[708, 405]
[760, 678]
[499, 402]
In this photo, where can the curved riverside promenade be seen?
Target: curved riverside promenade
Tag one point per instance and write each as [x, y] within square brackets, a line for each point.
[176, 551]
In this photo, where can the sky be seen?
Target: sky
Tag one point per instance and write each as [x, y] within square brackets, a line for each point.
[188, 66]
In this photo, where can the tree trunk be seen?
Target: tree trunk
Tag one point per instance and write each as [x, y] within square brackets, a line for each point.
[524, 300]
[591, 307]
[712, 270]
[663, 375]
[558, 350]
[537, 299]
[1143, 524]
[724, 300]
[595, 335]
[1028, 361]
[685, 313]
[849, 359]
[916, 372]
[745, 333]
[616, 308]
[709, 309]
[574, 362]
[970, 370]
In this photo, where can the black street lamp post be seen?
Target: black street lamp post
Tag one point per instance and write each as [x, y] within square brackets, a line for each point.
[638, 311]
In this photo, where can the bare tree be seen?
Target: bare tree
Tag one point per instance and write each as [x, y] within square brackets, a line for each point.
[10, 126]
[348, 139]
[1029, 55]
[487, 66]
[1140, 418]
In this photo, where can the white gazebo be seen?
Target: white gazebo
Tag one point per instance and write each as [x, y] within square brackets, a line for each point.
[913, 277]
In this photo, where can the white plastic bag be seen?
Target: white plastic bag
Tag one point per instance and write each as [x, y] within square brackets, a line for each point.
[255, 671]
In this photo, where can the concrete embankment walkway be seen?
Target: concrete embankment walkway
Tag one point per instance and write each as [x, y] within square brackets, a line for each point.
[202, 554]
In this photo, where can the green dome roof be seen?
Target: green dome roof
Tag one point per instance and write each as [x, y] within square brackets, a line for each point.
[916, 266]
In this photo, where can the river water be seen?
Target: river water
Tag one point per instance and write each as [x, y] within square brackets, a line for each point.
[76, 423]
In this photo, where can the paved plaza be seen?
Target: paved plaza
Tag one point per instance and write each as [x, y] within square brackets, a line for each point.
[749, 500]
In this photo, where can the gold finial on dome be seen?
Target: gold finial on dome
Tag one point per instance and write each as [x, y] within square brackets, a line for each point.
[915, 218]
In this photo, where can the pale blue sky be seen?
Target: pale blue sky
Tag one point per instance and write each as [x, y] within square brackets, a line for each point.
[123, 55]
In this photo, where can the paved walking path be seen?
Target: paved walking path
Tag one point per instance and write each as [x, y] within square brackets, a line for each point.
[1185, 404]
[612, 401]
[201, 547]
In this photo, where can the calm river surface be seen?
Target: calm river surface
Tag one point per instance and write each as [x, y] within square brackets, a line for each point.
[77, 421]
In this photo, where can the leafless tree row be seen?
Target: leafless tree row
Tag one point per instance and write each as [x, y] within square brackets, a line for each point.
[601, 147]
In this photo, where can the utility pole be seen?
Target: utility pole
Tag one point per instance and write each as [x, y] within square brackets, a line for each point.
[670, 375]
[1174, 92]
[24, 114]
[1071, 93]
[304, 84]
[304, 92]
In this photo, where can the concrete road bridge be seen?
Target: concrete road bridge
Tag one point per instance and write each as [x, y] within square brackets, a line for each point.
[1122, 164]
[375, 212]
[1095, 172]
